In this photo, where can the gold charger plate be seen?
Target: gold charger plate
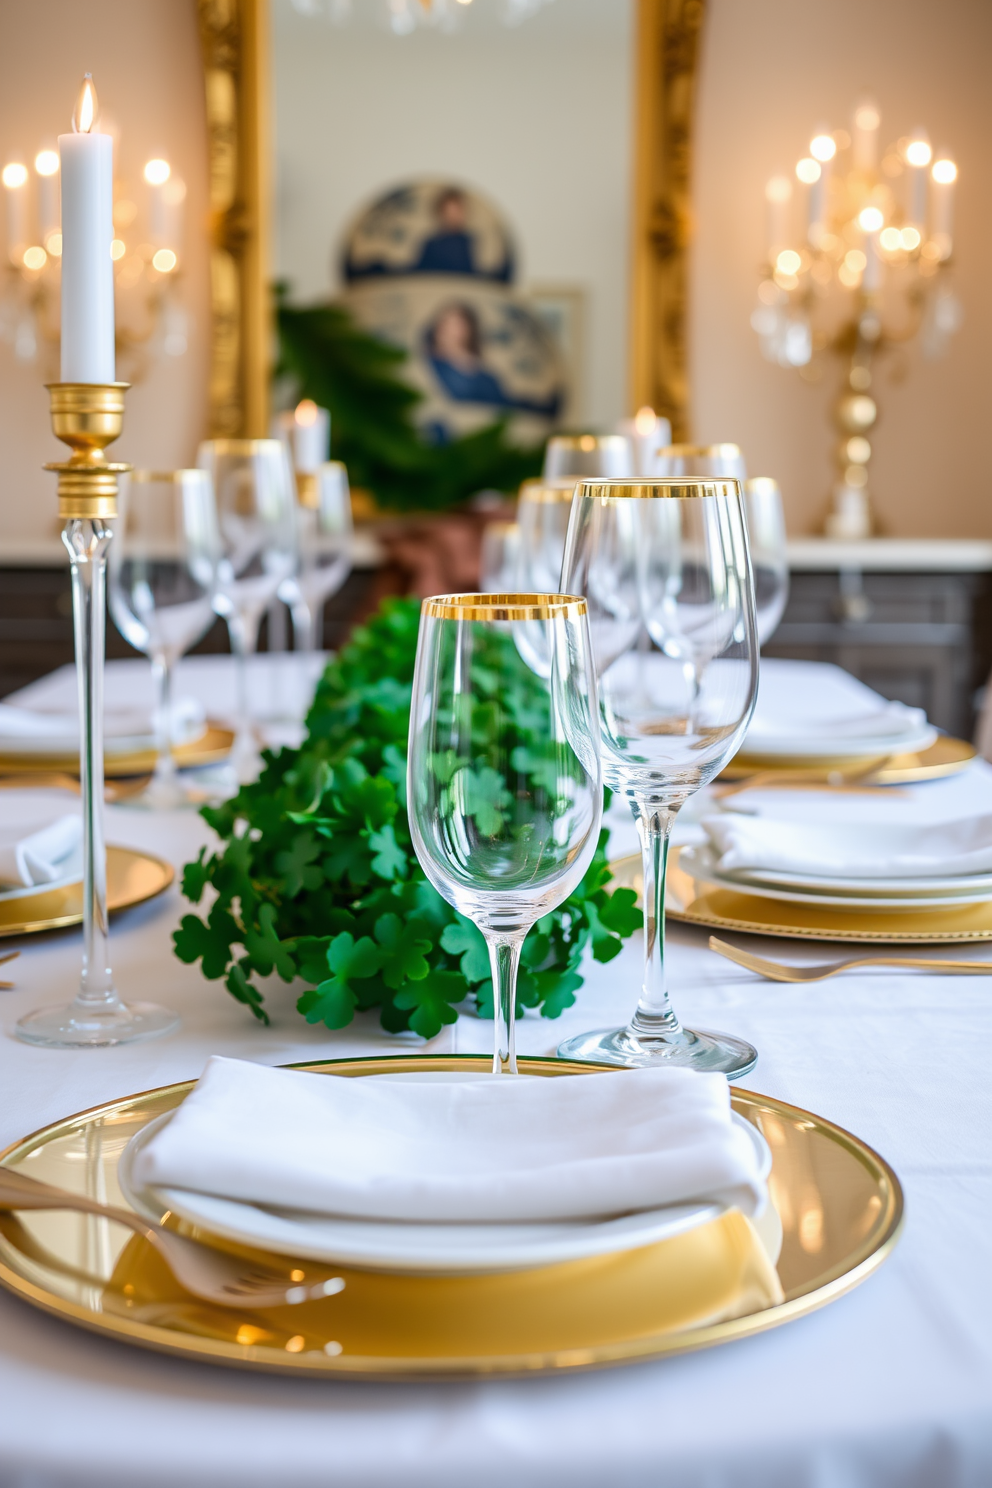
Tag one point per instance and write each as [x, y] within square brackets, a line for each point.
[839, 1203]
[724, 909]
[946, 756]
[132, 877]
[210, 748]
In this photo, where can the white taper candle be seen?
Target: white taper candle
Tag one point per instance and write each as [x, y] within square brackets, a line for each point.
[87, 171]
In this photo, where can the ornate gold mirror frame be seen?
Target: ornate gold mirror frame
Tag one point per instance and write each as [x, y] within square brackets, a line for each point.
[236, 53]
[235, 39]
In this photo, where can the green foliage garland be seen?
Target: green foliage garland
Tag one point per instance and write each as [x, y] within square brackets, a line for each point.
[356, 376]
[317, 878]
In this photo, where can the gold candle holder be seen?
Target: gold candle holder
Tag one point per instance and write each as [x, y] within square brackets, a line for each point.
[88, 417]
[307, 489]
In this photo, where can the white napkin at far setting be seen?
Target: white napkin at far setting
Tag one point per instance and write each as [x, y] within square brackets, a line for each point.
[851, 849]
[484, 1150]
[39, 853]
[38, 729]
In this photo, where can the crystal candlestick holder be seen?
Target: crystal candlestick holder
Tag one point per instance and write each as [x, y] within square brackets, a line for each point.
[87, 417]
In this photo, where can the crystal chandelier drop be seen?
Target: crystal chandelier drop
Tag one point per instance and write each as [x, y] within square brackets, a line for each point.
[403, 17]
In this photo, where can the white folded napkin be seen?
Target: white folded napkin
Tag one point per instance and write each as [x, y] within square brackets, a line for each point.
[891, 720]
[477, 1150]
[851, 849]
[30, 728]
[39, 854]
[804, 703]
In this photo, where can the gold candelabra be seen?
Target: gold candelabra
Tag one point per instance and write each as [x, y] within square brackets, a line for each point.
[870, 270]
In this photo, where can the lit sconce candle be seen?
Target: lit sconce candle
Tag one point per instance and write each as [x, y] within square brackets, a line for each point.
[814, 171]
[87, 170]
[310, 436]
[874, 270]
[865, 137]
[942, 179]
[15, 180]
[778, 195]
[918, 156]
[46, 165]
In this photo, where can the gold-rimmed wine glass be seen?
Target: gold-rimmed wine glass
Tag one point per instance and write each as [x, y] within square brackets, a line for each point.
[504, 788]
[665, 569]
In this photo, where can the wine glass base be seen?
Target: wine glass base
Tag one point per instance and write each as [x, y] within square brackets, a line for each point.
[78, 1027]
[687, 1048]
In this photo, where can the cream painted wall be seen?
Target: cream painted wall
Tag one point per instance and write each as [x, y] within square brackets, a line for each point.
[145, 59]
[538, 117]
[772, 69]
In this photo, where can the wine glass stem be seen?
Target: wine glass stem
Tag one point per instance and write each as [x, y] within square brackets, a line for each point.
[165, 765]
[87, 542]
[504, 958]
[654, 1013]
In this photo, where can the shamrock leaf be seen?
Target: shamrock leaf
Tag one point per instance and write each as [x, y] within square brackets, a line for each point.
[405, 950]
[266, 951]
[233, 877]
[209, 943]
[240, 987]
[464, 939]
[394, 769]
[295, 865]
[390, 860]
[560, 993]
[333, 1000]
[430, 1001]
[621, 912]
[481, 794]
[196, 876]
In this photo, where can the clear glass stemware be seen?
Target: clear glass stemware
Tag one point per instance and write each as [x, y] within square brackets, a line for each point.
[163, 567]
[256, 518]
[665, 569]
[504, 787]
[769, 556]
[325, 532]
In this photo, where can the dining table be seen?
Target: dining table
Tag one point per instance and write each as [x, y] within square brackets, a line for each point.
[889, 1386]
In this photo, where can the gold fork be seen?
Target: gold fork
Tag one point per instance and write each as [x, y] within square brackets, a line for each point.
[202, 1270]
[10, 956]
[777, 971]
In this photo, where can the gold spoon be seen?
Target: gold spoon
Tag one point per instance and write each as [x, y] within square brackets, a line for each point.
[776, 971]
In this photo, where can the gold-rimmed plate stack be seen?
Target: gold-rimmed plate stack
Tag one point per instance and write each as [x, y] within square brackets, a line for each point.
[695, 1289]
[132, 877]
[211, 748]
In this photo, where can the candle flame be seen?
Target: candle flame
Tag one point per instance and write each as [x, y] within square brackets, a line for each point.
[645, 421]
[306, 412]
[85, 114]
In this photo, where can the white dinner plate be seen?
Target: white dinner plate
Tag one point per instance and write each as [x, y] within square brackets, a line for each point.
[822, 746]
[700, 865]
[384, 1245]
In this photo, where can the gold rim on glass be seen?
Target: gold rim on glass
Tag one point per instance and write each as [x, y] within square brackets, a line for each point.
[548, 492]
[587, 442]
[675, 487]
[701, 451]
[173, 477]
[503, 607]
[758, 485]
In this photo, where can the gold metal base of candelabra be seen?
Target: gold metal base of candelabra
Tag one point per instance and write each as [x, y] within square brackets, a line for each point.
[87, 416]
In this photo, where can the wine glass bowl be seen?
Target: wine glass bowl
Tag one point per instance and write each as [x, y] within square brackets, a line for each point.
[609, 456]
[163, 565]
[769, 556]
[504, 827]
[665, 569]
[325, 534]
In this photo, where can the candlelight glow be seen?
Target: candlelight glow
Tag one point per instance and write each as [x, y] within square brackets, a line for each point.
[54, 244]
[46, 162]
[788, 261]
[117, 249]
[870, 219]
[944, 172]
[164, 260]
[306, 413]
[157, 172]
[918, 152]
[34, 258]
[808, 170]
[891, 239]
[823, 147]
[867, 117]
[645, 420]
[779, 189]
[855, 261]
[14, 175]
[84, 116]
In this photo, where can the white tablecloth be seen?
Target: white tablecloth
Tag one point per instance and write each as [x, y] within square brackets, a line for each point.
[891, 1385]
